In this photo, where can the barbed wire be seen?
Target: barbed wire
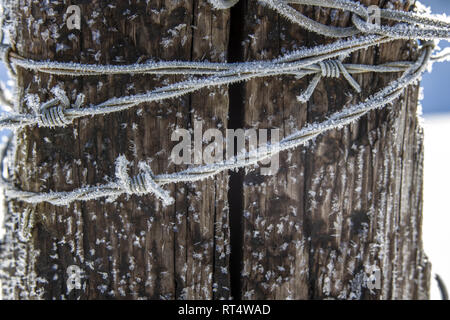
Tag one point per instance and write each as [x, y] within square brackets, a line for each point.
[227, 73]
[429, 28]
[320, 61]
[437, 28]
[146, 183]
[300, 63]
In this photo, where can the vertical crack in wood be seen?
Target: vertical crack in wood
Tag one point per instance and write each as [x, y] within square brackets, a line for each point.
[235, 121]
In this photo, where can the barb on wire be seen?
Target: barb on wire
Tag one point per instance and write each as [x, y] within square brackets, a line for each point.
[299, 63]
[428, 27]
[330, 69]
[321, 61]
[147, 183]
[142, 183]
[52, 112]
[59, 112]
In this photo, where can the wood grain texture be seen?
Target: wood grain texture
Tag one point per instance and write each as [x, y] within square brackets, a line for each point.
[350, 200]
[133, 247]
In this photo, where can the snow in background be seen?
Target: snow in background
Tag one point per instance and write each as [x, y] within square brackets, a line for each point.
[436, 222]
[436, 111]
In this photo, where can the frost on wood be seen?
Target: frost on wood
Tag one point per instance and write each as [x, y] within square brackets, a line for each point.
[412, 26]
[60, 112]
[305, 235]
[132, 247]
[331, 213]
[147, 183]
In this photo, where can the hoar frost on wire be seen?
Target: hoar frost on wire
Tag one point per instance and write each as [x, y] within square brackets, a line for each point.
[316, 61]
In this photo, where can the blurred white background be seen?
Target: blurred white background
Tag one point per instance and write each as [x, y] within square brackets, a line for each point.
[436, 112]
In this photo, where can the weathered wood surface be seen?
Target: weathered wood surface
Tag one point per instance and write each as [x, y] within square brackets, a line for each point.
[351, 199]
[131, 248]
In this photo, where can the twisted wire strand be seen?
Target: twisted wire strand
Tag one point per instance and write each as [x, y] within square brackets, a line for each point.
[221, 73]
[151, 67]
[402, 31]
[437, 29]
[173, 67]
[288, 12]
[299, 63]
[344, 5]
[430, 27]
[363, 12]
[323, 61]
[122, 185]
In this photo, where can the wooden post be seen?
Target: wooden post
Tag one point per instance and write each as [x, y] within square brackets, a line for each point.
[132, 247]
[348, 201]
